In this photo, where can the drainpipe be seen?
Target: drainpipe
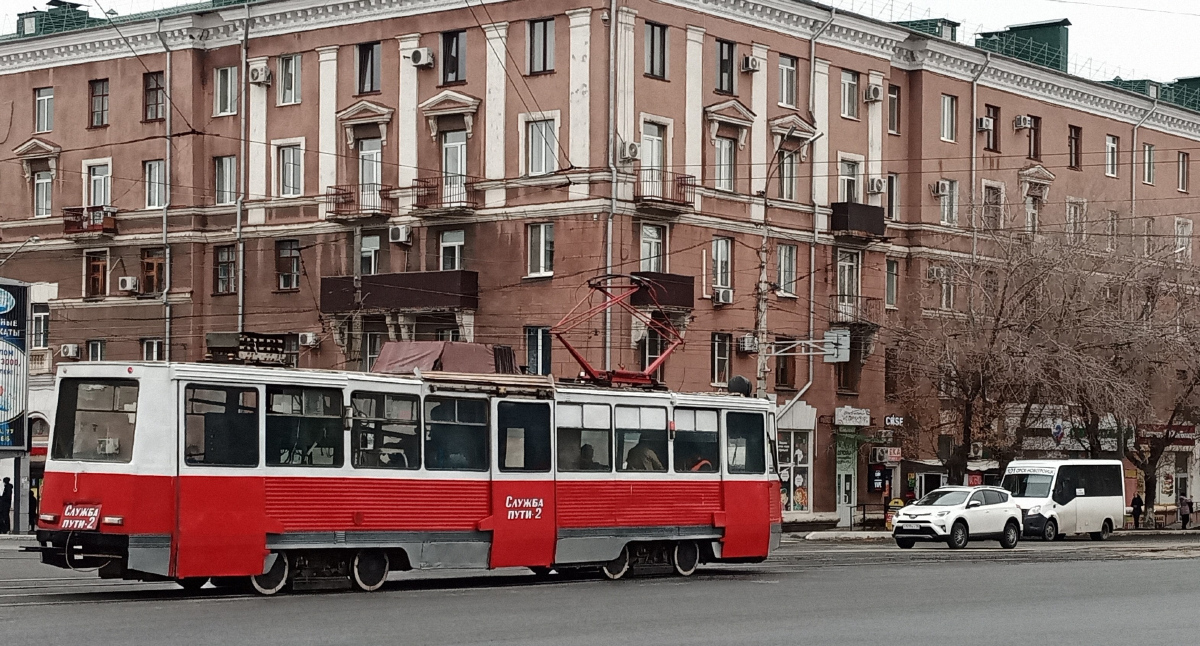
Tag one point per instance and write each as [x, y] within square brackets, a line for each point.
[1133, 163]
[166, 286]
[987, 61]
[242, 177]
[812, 247]
[612, 170]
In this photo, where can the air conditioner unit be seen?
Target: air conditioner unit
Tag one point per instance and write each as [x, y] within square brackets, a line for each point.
[69, 350]
[876, 185]
[985, 124]
[873, 93]
[1022, 122]
[309, 339]
[260, 75]
[421, 57]
[400, 234]
[940, 188]
[748, 344]
[630, 150]
[879, 454]
[722, 295]
[976, 450]
[127, 284]
[751, 64]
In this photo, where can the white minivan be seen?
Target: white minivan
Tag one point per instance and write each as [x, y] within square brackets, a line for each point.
[1060, 497]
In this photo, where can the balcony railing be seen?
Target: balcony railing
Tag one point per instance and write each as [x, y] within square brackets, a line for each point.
[454, 192]
[657, 186]
[353, 201]
[94, 220]
[852, 309]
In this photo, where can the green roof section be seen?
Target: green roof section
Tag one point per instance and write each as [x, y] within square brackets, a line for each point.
[63, 16]
[1040, 43]
[940, 27]
[1184, 92]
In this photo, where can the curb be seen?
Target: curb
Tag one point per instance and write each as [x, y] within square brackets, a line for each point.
[848, 536]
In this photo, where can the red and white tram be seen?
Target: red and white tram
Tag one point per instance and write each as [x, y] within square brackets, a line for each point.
[322, 479]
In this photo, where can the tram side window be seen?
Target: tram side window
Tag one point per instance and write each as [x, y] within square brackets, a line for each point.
[746, 444]
[220, 426]
[584, 437]
[304, 427]
[385, 432]
[456, 434]
[642, 438]
[697, 442]
[523, 436]
[95, 420]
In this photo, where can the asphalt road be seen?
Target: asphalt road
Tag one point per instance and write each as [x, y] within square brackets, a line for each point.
[1075, 592]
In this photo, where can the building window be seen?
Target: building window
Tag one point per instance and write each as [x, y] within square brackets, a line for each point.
[949, 118]
[369, 55]
[785, 365]
[225, 97]
[543, 147]
[722, 255]
[724, 169]
[449, 334]
[287, 264]
[95, 264]
[95, 350]
[541, 46]
[1148, 237]
[452, 243]
[541, 249]
[795, 469]
[787, 81]
[1075, 147]
[943, 277]
[224, 270]
[893, 283]
[1035, 137]
[152, 350]
[1076, 222]
[849, 281]
[154, 270]
[788, 174]
[291, 179]
[993, 207]
[894, 109]
[722, 344]
[656, 50]
[454, 56]
[726, 51]
[787, 269]
[948, 203]
[289, 79]
[991, 138]
[1183, 240]
[454, 166]
[1033, 214]
[849, 94]
[98, 91]
[43, 187]
[537, 350]
[1111, 148]
[154, 96]
[891, 380]
[368, 256]
[1182, 171]
[226, 179]
[99, 185]
[848, 181]
[39, 337]
[654, 238]
[1147, 163]
[372, 345]
[156, 185]
[1110, 231]
[43, 109]
[652, 347]
[893, 196]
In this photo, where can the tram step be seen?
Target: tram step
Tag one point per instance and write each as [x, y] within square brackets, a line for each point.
[321, 583]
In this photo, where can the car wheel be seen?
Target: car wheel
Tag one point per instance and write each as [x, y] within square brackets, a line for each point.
[1050, 531]
[959, 536]
[1104, 532]
[905, 543]
[1011, 536]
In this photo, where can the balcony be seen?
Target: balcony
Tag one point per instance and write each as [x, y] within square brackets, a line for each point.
[416, 291]
[854, 310]
[359, 202]
[89, 222]
[445, 195]
[662, 192]
[854, 220]
[669, 291]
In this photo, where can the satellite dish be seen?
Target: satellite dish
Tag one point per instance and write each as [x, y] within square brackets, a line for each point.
[739, 385]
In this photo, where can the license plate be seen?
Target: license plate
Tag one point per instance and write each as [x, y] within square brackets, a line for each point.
[80, 517]
[907, 526]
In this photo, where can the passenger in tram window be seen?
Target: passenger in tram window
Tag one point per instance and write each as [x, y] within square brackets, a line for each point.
[643, 458]
[587, 459]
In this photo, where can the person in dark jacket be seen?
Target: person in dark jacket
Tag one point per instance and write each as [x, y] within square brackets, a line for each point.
[1137, 504]
[6, 497]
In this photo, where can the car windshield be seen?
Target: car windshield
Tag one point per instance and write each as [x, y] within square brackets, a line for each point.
[943, 498]
[1028, 485]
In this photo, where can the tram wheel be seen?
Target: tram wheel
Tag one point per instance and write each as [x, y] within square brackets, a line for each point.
[617, 567]
[369, 570]
[192, 583]
[686, 557]
[275, 579]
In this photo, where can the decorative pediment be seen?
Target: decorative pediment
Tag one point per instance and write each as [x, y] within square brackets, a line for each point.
[730, 113]
[446, 103]
[365, 113]
[1035, 181]
[38, 150]
[794, 129]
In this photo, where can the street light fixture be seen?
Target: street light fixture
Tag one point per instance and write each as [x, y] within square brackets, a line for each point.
[28, 240]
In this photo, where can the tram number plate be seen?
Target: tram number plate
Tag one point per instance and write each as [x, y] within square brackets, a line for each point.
[81, 517]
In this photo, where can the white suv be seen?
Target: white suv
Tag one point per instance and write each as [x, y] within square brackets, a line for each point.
[955, 515]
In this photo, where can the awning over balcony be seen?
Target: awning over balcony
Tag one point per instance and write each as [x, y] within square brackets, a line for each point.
[409, 291]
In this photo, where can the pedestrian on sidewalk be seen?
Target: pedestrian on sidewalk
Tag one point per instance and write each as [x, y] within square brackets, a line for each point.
[1185, 511]
[1137, 505]
[6, 506]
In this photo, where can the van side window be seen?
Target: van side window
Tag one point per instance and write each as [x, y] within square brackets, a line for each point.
[697, 442]
[220, 426]
[584, 437]
[1070, 478]
[385, 432]
[456, 434]
[746, 442]
[304, 427]
[523, 436]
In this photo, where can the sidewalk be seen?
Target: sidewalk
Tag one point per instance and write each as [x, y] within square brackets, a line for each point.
[858, 535]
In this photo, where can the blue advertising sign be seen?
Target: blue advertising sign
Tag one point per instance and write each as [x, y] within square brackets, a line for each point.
[14, 310]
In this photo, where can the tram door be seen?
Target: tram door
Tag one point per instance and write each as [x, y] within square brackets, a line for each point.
[523, 527]
[746, 491]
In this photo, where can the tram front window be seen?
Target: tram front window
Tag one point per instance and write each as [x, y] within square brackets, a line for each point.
[95, 420]
[456, 434]
[385, 431]
[523, 436]
[304, 427]
[220, 426]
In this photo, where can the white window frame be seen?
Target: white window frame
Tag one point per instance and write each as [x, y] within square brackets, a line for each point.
[1112, 151]
[850, 83]
[948, 205]
[43, 109]
[1033, 216]
[653, 262]
[225, 91]
[152, 350]
[1183, 172]
[786, 270]
[789, 174]
[459, 246]
[1148, 164]
[156, 187]
[722, 262]
[277, 164]
[725, 346]
[1076, 220]
[945, 280]
[1148, 237]
[892, 282]
[949, 118]
[983, 205]
[225, 179]
[369, 251]
[88, 165]
[725, 164]
[95, 350]
[894, 109]
[541, 255]
[849, 274]
[43, 194]
[1111, 227]
[283, 74]
[855, 181]
[1183, 240]
[788, 69]
[39, 326]
[893, 197]
[524, 151]
[541, 349]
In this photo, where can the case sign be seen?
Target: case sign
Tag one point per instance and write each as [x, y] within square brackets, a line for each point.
[14, 373]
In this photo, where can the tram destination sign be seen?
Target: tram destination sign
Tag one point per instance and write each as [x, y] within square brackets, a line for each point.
[14, 373]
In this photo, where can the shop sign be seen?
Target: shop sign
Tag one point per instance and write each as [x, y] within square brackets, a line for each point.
[894, 453]
[893, 421]
[850, 416]
[974, 479]
[1181, 435]
[847, 453]
[14, 372]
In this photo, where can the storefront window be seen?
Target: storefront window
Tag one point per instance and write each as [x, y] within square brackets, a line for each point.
[795, 461]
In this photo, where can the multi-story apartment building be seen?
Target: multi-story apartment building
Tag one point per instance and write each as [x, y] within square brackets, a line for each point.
[346, 173]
